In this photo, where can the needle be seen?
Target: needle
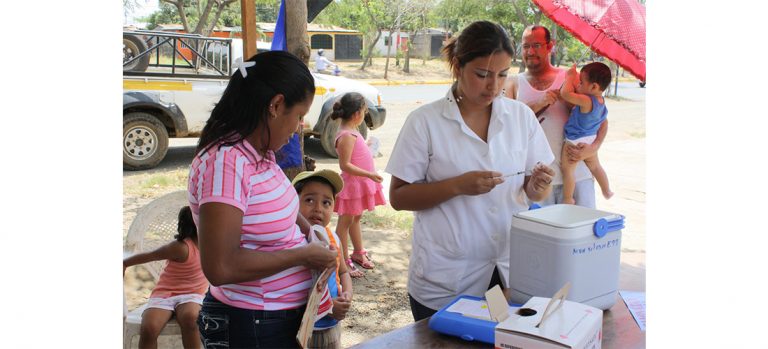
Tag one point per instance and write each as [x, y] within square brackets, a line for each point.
[513, 174]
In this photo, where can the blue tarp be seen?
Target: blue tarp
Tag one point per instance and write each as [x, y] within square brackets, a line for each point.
[290, 154]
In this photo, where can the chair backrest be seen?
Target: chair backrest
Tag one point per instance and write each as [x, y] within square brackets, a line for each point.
[154, 226]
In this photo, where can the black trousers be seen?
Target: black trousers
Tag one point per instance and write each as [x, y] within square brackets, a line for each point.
[420, 311]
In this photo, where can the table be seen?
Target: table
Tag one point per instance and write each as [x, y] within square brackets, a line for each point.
[619, 328]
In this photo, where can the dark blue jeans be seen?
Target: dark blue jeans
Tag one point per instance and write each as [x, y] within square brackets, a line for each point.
[223, 326]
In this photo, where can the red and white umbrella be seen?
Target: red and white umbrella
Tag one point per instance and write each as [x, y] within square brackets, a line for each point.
[613, 28]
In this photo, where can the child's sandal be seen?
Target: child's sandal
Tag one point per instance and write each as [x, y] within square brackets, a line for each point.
[352, 269]
[364, 259]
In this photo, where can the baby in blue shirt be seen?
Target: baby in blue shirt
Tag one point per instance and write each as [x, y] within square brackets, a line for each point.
[585, 91]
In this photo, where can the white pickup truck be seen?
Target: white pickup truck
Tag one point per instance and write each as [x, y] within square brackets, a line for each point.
[171, 82]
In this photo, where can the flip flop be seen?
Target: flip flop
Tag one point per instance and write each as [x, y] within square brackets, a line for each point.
[353, 271]
[365, 263]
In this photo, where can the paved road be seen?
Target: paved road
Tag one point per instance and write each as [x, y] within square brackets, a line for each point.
[412, 93]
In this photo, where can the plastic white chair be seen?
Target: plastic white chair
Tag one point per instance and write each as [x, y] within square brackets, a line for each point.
[154, 226]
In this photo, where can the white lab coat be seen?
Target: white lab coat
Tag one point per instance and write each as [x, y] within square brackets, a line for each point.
[457, 243]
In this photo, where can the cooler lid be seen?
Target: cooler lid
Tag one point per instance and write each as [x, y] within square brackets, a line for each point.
[566, 216]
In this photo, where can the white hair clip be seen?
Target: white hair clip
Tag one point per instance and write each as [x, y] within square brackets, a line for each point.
[239, 64]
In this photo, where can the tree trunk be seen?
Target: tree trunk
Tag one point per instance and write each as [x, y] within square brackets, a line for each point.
[297, 40]
[297, 43]
[616, 86]
[553, 56]
[515, 50]
[367, 59]
[180, 9]
[389, 48]
[203, 18]
[219, 9]
[407, 62]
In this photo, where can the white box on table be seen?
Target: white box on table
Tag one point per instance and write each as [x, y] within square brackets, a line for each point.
[573, 325]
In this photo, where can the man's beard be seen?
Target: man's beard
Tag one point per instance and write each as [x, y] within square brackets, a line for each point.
[531, 66]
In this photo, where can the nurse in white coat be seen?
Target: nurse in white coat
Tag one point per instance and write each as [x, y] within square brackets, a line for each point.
[464, 164]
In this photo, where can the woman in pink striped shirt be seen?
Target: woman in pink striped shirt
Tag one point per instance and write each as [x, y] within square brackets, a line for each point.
[252, 248]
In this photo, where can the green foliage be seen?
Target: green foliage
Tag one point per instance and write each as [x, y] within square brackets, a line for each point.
[266, 11]
[170, 180]
[456, 14]
[346, 13]
[165, 14]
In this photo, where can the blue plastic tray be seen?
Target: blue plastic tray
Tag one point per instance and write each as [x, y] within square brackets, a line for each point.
[466, 328]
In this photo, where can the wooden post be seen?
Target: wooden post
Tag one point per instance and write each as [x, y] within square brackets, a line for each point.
[250, 35]
[297, 43]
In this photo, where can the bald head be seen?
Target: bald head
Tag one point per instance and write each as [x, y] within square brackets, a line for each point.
[532, 28]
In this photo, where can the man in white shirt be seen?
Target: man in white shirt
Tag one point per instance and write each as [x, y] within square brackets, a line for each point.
[323, 64]
[539, 88]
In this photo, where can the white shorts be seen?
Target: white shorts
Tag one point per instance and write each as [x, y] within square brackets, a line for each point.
[171, 303]
[585, 139]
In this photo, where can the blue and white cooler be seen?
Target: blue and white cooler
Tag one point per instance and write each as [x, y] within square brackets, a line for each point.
[552, 245]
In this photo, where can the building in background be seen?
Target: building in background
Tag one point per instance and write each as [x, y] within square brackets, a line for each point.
[338, 44]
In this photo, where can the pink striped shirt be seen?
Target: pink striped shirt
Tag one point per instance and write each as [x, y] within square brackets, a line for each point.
[238, 176]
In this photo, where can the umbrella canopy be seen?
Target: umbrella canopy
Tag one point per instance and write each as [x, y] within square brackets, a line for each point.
[613, 28]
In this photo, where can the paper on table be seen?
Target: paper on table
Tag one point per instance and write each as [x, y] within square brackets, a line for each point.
[474, 308]
[635, 302]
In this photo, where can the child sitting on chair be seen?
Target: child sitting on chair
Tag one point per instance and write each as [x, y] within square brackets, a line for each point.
[317, 191]
[180, 288]
[585, 91]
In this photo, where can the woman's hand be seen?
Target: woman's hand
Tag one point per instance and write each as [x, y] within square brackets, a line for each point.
[539, 183]
[478, 182]
[319, 256]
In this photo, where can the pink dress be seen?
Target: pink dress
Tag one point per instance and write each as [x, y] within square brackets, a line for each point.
[359, 193]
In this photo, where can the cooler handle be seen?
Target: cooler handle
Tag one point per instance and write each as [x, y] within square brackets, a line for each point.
[606, 225]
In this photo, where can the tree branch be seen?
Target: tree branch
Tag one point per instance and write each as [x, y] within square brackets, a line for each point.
[204, 16]
[520, 15]
[180, 8]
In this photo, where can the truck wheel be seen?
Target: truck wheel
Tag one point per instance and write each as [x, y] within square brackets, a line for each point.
[132, 47]
[145, 141]
[328, 138]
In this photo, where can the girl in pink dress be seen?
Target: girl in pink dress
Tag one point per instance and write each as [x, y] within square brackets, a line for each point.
[362, 185]
[179, 291]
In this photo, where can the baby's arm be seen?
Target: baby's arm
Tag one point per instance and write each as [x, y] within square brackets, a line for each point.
[175, 250]
[569, 94]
